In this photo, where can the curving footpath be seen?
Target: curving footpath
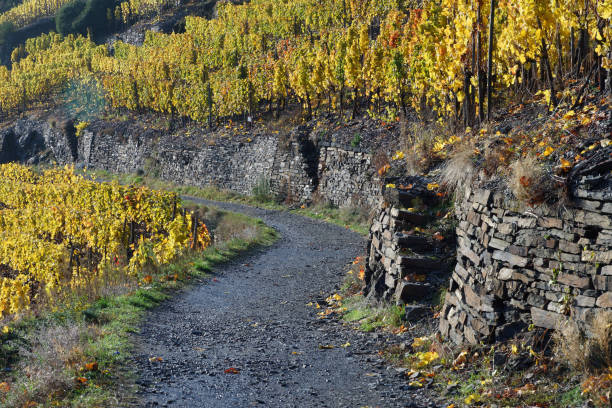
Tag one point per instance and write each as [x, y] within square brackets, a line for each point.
[253, 316]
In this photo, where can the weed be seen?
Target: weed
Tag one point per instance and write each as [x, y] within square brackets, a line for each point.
[590, 354]
[262, 191]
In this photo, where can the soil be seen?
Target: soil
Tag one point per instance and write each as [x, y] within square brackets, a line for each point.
[251, 318]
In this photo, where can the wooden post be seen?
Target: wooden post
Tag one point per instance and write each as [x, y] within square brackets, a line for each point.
[194, 232]
[490, 59]
[71, 256]
[481, 94]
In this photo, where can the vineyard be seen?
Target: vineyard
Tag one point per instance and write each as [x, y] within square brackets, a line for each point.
[30, 10]
[62, 234]
[452, 57]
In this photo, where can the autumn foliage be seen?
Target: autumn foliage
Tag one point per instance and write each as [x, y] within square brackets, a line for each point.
[382, 56]
[62, 233]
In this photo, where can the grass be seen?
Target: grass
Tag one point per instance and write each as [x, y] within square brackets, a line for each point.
[76, 355]
[356, 219]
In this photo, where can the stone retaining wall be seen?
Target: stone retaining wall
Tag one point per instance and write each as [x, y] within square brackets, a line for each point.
[535, 266]
[347, 177]
[294, 167]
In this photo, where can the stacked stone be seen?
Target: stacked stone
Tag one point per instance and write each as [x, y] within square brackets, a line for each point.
[400, 266]
[535, 267]
[347, 178]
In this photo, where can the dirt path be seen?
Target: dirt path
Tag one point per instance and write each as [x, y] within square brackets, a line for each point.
[253, 316]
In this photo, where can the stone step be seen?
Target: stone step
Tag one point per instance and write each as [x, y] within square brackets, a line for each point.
[416, 312]
[406, 292]
[415, 219]
[419, 263]
[417, 243]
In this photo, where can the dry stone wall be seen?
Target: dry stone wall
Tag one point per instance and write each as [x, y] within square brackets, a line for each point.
[347, 177]
[534, 266]
[294, 167]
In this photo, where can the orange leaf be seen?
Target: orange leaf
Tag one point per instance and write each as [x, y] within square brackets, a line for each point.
[525, 181]
[91, 366]
[548, 151]
[438, 237]
[232, 370]
[81, 380]
[5, 387]
[148, 279]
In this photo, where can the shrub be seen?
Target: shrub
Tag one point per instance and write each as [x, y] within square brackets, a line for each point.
[8, 4]
[67, 14]
[93, 17]
[81, 16]
[6, 29]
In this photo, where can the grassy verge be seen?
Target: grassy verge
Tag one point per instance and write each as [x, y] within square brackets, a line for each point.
[76, 355]
[356, 219]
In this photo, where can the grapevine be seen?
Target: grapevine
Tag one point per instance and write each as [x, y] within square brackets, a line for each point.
[60, 231]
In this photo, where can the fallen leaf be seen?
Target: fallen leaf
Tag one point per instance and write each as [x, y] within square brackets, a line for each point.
[565, 164]
[420, 341]
[232, 370]
[147, 279]
[525, 181]
[438, 237]
[81, 380]
[325, 347]
[432, 186]
[5, 387]
[569, 115]
[155, 359]
[415, 384]
[472, 398]
[93, 366]
[347, 344]
[461, 359]
[426, 358]
[548, 151]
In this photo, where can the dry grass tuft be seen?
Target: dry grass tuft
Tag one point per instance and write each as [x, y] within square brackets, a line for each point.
[528, 181]
[231, 227]
[458, 171]
[592, 354]
[49, 363]
[418, 142]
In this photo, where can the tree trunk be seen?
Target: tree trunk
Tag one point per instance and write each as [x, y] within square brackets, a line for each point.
[341, 100]
[560, 56]
[572, 50]
[467, 102]
[490, 59]
[481, 79]
[548, 71]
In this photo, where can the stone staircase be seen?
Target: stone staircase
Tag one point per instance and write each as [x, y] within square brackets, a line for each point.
[405, 262]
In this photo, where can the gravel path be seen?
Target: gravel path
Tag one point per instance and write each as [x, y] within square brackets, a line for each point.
[253, 316]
